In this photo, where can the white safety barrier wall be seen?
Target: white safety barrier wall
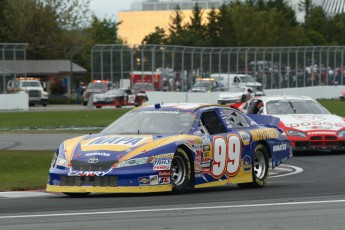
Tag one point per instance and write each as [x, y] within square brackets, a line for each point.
[18, 101]
[316, 92]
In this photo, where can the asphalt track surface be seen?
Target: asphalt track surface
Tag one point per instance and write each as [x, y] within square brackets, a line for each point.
[311, 199]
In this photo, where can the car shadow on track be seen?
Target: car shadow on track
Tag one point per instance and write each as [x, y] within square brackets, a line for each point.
[317, 153]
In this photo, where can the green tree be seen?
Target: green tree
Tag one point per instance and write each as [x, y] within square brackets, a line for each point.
[3, 6]
[49, 26]
[318, 22]
[337, 32]
[175, 26]
[195, 31]
[227, 37]
[156, 37]
[103, 31]
[212, 28]
[305, 6]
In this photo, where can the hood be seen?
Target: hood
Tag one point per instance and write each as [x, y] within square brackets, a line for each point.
[94, 91]
[99, 152]
[308, 122]
[252, 84]
[103, 145]
[199, 89]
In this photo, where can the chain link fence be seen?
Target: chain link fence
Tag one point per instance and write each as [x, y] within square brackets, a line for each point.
[9, 54]
[274, 67]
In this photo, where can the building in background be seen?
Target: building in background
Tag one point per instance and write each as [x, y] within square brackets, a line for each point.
[144, 16]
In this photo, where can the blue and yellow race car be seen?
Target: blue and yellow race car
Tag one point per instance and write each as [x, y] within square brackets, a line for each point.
[171, 147]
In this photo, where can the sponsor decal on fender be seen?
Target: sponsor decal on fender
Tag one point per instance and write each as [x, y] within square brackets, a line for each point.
[281, 147]
[245, 137]
[263, 134]
[247, 163]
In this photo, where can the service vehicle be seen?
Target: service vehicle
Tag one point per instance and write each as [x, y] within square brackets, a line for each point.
[170, 147]
[32, 86]
[96, 87]
[236, 95]
[151, 78]
[120, 97]
[237, 80]
[308, 125]
[207, 85]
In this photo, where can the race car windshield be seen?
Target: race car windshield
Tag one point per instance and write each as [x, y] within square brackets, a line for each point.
[115, 92]
[97, 86]
[152, 122]
[203, 84]
[247, 78]
[295, 107]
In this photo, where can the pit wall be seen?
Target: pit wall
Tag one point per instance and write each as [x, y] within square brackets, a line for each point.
[316, 92]
[17, 101]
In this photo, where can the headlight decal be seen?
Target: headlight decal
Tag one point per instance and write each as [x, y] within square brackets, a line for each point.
[133, 162]
[341, 133]
[296, 133]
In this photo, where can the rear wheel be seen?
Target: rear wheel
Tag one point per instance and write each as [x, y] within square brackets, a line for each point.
[180, 171]
[259, 168]
[119, 103]
[98, 106]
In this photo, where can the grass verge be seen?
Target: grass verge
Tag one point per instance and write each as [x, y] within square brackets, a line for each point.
[24, 170]
[34, 122]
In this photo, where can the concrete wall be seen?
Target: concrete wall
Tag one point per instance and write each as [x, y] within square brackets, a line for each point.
[17, 101]
[316, 92]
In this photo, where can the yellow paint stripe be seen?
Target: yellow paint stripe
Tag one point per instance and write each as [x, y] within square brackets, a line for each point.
[121, 189]
[158, 143]
[233, 180]
[70, 146]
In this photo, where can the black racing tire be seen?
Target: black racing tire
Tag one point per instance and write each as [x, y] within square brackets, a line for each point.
[98, 106]
[44, 105]
[243, 98]
[260, 167]
[119, 103]
[180, 171]
[139, 102]
[77, 194]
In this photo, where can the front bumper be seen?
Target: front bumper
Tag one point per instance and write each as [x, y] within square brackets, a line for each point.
[119, 189]
[318, 145]
[124, 180]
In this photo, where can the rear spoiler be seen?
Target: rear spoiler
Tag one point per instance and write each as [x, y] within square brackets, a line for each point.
[265, 120]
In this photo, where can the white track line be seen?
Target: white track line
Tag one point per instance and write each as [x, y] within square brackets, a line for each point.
[173, 209]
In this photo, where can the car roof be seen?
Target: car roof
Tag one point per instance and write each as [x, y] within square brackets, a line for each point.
[185, 107]
[283, 98]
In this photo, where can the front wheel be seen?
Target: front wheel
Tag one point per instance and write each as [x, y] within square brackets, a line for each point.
[139, 102]
[259, 168]
[180, 171]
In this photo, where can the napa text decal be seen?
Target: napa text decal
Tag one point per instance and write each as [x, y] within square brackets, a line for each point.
[263, 134]
[117, 140]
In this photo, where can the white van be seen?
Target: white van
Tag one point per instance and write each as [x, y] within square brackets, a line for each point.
[236, 80]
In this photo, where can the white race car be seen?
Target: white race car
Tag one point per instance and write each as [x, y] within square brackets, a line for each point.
[238, 94]
[308, 125]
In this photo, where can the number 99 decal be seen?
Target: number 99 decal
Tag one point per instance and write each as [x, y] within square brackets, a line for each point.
[226, 156]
